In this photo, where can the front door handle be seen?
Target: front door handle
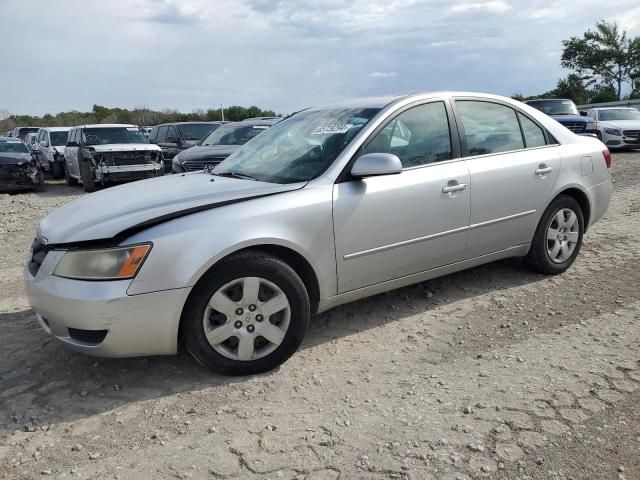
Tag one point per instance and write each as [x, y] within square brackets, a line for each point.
[543, 170]
[454, 188]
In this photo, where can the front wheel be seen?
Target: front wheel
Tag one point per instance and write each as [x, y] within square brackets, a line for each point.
[71, 181]
[88, 177]
[247, 315]
[558, 237]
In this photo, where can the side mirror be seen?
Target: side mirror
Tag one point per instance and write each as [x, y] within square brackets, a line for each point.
[72, 144]
[172, 139]
[376, 164]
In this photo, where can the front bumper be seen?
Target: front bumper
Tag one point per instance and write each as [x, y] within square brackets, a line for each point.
[128, 172]
[12, 179]
[99, 318]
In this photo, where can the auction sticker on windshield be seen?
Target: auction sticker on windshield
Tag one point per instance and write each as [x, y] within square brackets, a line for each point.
[329, 129]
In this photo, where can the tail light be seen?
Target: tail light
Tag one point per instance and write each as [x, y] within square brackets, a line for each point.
[607, 157]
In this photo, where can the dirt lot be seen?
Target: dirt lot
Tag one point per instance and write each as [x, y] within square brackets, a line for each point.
[491, 373]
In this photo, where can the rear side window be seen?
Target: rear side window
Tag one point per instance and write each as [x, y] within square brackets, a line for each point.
[153, 134]
[489, 127]
[162, 135]
[533, 134]
[418, 136]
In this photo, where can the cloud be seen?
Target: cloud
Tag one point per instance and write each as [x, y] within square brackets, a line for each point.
[382, 74]
[494, 6]
[170, 12]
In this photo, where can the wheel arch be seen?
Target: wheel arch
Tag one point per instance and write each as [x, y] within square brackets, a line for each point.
[583, 200]
[291, 257]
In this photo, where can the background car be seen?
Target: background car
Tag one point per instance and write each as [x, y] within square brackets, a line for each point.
[18, 168]
[50, 143]
[105, 153]
[565, 112]
[333, 204]
[21, 132]
[618, 127]
[220, 143]
[173, 138]
[30, 141]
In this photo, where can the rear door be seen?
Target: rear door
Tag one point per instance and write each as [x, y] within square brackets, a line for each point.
[392, 226]
[513, 166]
[71, 152]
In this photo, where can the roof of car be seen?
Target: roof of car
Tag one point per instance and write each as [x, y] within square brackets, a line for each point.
[14, 139]
[56, 129]
[614, 108]
[106, 125]
[183, 123]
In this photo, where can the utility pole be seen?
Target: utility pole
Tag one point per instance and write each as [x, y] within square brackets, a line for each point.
[222, 111]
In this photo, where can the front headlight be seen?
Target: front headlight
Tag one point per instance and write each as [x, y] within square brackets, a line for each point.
[591, 126]
[613, 131]
[118, 263]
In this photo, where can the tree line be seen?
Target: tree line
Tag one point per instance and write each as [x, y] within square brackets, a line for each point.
[138, 116]
[604, 65]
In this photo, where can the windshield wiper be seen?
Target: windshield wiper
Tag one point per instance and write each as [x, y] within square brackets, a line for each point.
[240, 175]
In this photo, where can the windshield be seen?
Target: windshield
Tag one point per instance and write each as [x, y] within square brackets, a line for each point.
[555, 107]
[619, 114]
[58, 138]
[13, 146]
[297, 149]
[234, 134]
[110, 135]
[196, 131]
[24, 130]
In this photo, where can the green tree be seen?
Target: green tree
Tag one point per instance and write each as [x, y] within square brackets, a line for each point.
[605, 55]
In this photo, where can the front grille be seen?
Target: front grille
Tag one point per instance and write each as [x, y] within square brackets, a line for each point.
[92, 337]
[193, 166]
[39, 251]
[632, 133]
[575, 127]
[13, 172]
[126, 158]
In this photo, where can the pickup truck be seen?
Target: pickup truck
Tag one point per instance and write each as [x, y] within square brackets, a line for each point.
[566, 113]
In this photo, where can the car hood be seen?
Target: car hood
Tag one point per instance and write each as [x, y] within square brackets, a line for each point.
[114, 212]
[201, 152]
[124, 147]
[572, 118]
[621, 124]
[9, 158]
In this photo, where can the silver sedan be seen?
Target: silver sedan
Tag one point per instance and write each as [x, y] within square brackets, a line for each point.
[333, 204]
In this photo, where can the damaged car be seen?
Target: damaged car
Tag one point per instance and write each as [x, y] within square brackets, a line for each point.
[18, 168]
[97, 155]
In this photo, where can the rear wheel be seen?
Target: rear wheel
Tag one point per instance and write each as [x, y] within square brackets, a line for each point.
[71, 181]
[247, 315]
[56, 168]
[558, 237]
[88, 177]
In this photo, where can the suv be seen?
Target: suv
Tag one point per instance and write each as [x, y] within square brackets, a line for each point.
[219, 144]
[103, 153]
[49, 149]
[21, 132]
[172, 138]
[566, 113]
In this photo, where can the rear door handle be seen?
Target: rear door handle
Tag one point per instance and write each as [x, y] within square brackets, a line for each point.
[543, 170]
[454, 188]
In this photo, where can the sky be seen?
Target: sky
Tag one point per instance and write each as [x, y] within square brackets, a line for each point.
[281, 54]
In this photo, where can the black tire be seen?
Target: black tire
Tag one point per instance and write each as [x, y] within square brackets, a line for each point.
[246, 264]
[538, 258]
[88, 177]
[56, 169]
[71, 181]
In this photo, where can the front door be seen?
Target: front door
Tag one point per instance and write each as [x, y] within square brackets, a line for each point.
[513, 167]
[396, 225]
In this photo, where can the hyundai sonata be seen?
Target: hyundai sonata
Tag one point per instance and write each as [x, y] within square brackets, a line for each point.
[333, 204]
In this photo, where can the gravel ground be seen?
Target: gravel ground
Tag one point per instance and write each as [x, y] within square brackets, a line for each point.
[490, 373]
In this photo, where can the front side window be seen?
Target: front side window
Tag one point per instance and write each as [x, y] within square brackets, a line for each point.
[112, 135]
[297, 149]
[533, 134]
[418, 136]
[489, 127]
